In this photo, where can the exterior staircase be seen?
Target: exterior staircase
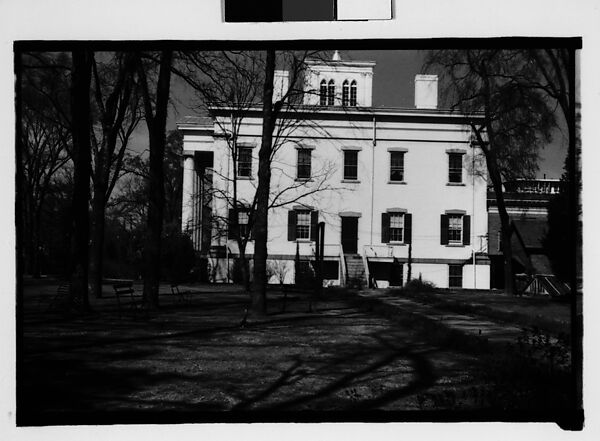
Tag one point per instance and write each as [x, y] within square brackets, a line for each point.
[355, 271]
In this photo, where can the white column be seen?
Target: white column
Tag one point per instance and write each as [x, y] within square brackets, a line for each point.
[188, 194]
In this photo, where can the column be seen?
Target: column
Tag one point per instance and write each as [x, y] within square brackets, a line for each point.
[188, 194]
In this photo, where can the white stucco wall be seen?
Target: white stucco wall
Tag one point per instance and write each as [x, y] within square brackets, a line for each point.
[425, 193]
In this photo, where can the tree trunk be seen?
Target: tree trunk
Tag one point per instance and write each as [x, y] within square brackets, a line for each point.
[245, 266]
[409, 275]
[35, 238]
[259, 293]
[80, 108]
[97, 254]
[156, 198]
[156, 193]
[506, 231]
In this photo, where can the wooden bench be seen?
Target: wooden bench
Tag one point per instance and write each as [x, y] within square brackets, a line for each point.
[176, 292]
[124, 289]
[61, 296]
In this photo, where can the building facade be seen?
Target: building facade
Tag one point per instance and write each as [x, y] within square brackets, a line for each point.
[394, 187]
[526, 203]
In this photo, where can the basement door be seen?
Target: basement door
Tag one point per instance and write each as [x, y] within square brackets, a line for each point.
[350, 235]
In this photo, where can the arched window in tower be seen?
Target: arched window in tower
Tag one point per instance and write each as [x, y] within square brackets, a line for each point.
[353, 93]
[330, 93]
[345, 93]
[323, 93]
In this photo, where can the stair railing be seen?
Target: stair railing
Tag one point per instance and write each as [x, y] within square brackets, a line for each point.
[343, 273]
[365, 261]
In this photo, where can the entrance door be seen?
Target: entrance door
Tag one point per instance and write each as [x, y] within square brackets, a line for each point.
[350, 235]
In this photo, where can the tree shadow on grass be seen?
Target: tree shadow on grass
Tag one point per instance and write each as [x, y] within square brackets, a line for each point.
[89, 385]
[364, 362]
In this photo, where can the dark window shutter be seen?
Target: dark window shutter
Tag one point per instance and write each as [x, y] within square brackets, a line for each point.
[466, 230]
[385, 228]
[444, 230]
[407, 228]
[231, 223]
[314, 220]
[291, 225]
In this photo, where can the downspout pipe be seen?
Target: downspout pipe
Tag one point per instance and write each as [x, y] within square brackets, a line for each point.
[374, 140]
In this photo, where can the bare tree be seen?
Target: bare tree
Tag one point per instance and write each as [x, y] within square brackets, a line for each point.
[116, 106]
[229, 87]
[155, 110]
[43, 146]
[81, 126]
[488, 86]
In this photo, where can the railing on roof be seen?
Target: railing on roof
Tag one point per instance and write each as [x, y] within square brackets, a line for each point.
[533, 186]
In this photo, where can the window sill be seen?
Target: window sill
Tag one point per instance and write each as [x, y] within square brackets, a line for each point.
[455, 184]
[303, 240]
[304, 180]
[456, 245]
[397, 182]
[350, 181]
[245, 178]
[395, 244]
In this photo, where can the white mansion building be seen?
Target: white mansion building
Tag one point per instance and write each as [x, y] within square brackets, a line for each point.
[394, 187]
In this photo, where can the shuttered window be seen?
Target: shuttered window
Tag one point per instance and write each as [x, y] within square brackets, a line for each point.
[455, 229]
[396, 227]
[302, 224]
[241, 226]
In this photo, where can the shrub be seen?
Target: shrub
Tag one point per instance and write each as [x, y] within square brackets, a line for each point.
[178, 256]
[418, 286]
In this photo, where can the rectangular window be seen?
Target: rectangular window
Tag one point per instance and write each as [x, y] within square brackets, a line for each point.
[455, 224]
[455, 276]
[350, 164]
[243, 218]
[244, 162]
[396, 227]
[302, 224]
[304, 163]
[455, 166]
[396, 166]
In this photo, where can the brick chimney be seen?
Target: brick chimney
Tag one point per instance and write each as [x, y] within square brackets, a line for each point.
[426, 91]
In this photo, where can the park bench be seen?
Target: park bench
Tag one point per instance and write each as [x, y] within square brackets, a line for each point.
[60, 299]
[125, 289]
[176, 292]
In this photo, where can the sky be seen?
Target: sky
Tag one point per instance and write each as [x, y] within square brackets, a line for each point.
[393, 86]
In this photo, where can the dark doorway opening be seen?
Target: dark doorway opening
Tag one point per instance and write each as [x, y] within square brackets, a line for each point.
[350, 235]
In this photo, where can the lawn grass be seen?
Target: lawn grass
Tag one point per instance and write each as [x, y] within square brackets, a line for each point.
[195, 360]
[543, 313]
